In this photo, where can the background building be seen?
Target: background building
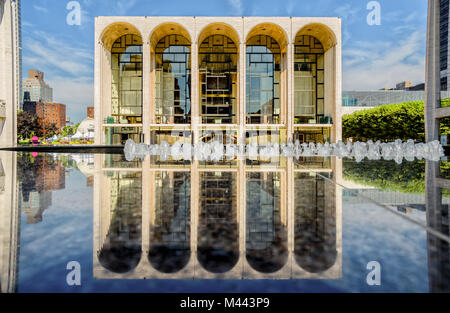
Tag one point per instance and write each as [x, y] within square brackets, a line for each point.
[48, 112]
[86, 129]
[10, 69]
[353, 101]
[277, 75]
[36, 89]
[404, 85]
[444, 44]
[90, 112]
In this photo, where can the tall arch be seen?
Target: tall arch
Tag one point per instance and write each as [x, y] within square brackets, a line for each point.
[116, 30]
[165, 29]
[314, 81]
[322, 32]
[171, 70]
[272, 30]
[218, 61]
[122, 81]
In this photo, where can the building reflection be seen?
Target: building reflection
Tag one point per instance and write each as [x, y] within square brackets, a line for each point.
[234, 220]
[9, 222]
[315, 222]
[38, 175]
[170, 229]
[267, 219]
[121, 248]
[438, 218]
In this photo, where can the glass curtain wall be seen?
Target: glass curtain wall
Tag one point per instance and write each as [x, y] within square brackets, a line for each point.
[173, 80]
[309, 73]
[218, 56]
[263, 80]
[126, 82]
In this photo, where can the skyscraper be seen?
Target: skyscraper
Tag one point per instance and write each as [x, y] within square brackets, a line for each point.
[10, 69]
[36, 89]
[444, 42]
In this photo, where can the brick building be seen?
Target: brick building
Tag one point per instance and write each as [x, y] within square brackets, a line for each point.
[49, 112]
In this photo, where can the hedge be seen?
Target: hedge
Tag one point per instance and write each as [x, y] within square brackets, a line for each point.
[389, 122]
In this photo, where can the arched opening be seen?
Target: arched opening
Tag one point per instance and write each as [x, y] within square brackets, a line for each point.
[266, 74]
[309, 79]
[218, 74]
[263, 80]
[314, 85]
[173, 80]
[171, 70]
[126, 84]
[218, 233]
[170, 230]
[266, 243]
[122, 248]
[321, 32]
[121, 90]
[315, 223]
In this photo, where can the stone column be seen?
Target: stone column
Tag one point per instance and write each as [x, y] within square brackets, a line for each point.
[146, 86]
[242, 92]
[195, 101]
[432, 74]
[98, 104]
[290, 93]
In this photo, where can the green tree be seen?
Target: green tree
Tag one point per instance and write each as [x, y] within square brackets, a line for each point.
[49, 129]
[27, 125]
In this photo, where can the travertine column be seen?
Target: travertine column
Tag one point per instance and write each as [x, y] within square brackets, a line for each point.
[98, 83]
[289, 121]
[146, 86]
[195, 92]
[432, 76]
[8, 83]
[242, 92]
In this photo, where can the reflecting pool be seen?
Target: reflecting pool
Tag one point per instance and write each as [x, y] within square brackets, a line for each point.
[276, 225]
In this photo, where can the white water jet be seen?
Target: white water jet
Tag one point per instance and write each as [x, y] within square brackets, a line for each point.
[215, 151]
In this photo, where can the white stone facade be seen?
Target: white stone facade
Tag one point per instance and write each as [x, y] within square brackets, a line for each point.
[10, 67]
[283, 29]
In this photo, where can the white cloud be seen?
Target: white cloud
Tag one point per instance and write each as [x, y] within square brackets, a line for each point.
[347, 13]
[76, 93]
[46, 51]
[40, 9]
[378, 64]
[27, 24]
[68, 69]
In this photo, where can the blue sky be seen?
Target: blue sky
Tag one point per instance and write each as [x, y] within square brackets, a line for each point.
[373, 56]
